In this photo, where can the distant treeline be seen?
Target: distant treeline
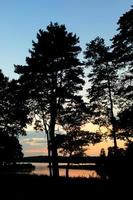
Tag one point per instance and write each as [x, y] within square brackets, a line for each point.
[62, 159]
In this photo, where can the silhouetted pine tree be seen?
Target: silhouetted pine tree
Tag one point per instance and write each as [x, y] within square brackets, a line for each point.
[52, 76]
[123, 52]
[102, 84]
[123, 59]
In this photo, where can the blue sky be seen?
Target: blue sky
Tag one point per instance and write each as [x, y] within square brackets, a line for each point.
[21, 20]
[34, 143]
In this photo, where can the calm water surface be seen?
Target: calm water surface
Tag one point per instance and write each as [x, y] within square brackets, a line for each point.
[42, 169]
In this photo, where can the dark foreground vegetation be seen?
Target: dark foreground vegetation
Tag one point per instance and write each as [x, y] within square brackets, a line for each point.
[115, 181]
[36, 187]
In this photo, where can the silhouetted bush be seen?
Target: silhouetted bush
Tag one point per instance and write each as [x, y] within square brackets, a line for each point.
[117, 165]
[10, 150]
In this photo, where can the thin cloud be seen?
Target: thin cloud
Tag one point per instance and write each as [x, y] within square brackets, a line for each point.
[36, 151]
[33, 141]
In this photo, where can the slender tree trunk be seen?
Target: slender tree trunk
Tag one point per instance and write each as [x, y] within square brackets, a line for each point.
[49, 156]
[112, 113]
[54, 146]
[67, 167]
[113, 120]
[53, 115]
[48, 146]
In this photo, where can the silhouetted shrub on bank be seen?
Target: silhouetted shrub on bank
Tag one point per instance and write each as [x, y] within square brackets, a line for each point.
[117, 165]
[16, 168]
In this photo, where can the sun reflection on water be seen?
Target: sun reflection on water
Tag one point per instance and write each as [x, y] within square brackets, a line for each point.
[42, 169]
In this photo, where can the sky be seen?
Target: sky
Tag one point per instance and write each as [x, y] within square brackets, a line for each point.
[21, 20]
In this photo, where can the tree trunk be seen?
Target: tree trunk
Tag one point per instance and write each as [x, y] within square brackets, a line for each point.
[48, 146]
[114, 133]
[49, 156]
[68, 165]
[113, 122]
[53, 146]
[53, 115]
[112, 113]
[67, 169]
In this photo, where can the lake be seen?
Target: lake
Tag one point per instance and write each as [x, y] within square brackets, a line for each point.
[42, 169]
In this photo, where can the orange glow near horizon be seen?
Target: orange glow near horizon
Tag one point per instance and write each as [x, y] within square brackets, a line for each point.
[93, 150]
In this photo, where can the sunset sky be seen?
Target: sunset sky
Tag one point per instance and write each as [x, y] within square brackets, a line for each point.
[21, 20]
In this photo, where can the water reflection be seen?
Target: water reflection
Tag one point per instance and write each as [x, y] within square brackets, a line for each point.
[42, 169]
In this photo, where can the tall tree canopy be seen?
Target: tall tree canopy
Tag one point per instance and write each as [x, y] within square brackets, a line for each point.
[123, 58]
[52, 77]
[13, 114]
[123, 52]
[125, 124]
[13, 119]
[103, 83]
